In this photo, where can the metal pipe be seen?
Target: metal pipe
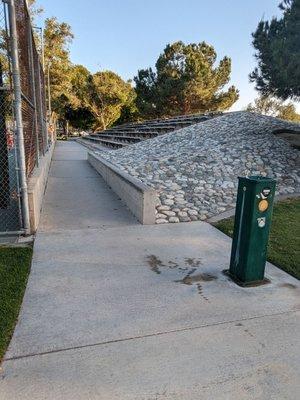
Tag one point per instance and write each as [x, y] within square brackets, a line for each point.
[43, 49]
[42, 45]
[32, 81]
[49, 90]
[18, 114]
[12, 233]
[43, 110]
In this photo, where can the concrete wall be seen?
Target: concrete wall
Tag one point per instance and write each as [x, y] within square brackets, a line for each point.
[36, 188]
[138, 197]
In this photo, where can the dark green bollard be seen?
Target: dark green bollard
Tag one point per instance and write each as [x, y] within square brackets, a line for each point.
[251, 230]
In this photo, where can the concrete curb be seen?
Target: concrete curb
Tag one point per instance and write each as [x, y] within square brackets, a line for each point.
[139, 198]
[36, 188]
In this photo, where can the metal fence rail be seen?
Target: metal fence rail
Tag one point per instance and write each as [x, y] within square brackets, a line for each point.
[23, 125]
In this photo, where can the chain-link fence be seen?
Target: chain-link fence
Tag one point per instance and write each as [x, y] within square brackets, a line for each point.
[23, 125]
[10, 210]
[32, 86]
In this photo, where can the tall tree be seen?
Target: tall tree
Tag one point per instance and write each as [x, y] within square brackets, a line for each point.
[108, 93]
[277, 45]
[187, 80]
[57, 37]
[76, 109]
[103, 94]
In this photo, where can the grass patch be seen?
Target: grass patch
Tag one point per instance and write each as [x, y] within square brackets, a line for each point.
[14, 270]
[284, 243]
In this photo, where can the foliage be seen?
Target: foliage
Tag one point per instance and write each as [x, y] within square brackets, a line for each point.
[284, 243]
[276, 108]
[278, 53]
[289, 113]
[14, 270]
[186, 81]
[103, 94]
[34, 9]
[57, 37]
[129, 111]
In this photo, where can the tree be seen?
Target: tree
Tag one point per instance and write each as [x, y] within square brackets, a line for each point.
[289, 113]
[277, 45]
[186, 81]
[76, 109]
[57, 37]
[102, 97]
[107, 94]
[129, 112]
[273, 107]
[34, 9]
[265, 105]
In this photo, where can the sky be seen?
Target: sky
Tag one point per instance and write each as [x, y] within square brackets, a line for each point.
[127, 35]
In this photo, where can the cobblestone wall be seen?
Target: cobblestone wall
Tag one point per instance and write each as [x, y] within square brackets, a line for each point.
[195, 169]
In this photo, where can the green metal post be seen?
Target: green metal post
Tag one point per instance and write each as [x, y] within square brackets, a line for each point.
[251, 230]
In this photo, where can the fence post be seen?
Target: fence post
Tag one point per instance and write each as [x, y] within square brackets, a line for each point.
[43, 110]
[33, 87]
[18, 113]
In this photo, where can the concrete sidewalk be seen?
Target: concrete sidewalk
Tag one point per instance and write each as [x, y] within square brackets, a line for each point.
[117, 310]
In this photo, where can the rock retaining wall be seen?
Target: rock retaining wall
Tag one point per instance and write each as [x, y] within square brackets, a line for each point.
[195, 169]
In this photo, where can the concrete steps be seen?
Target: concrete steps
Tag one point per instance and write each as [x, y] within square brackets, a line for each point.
[126, 134]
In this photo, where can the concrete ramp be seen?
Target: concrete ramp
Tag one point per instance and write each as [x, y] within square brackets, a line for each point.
[77, 197]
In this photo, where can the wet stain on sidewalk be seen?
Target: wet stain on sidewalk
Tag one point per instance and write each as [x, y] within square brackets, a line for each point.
[154, 263]
[188, 267]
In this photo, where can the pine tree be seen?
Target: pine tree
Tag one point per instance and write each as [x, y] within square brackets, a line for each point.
[186, 81]
[277, 45]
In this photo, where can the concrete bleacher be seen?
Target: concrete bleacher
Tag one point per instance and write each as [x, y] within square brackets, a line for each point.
[130, 133]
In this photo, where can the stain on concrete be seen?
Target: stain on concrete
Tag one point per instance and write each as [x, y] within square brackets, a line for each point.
[248, 332]
[193, 262]
[200, 291]
[183, 268]
[173, 264]
[189, 279]
[186, 280]
[154, 263]
[189, 271]
[288, 285]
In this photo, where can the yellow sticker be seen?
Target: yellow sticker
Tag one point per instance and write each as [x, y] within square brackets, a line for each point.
[263, 205]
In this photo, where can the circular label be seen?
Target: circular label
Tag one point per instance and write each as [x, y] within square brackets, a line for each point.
[263, 205]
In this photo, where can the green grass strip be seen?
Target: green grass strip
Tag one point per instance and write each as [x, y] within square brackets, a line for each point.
[14, 270]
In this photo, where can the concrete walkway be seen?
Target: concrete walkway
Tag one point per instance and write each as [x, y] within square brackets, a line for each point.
[118, 311]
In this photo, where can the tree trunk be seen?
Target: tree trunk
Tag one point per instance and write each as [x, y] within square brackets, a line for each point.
[102, 122]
